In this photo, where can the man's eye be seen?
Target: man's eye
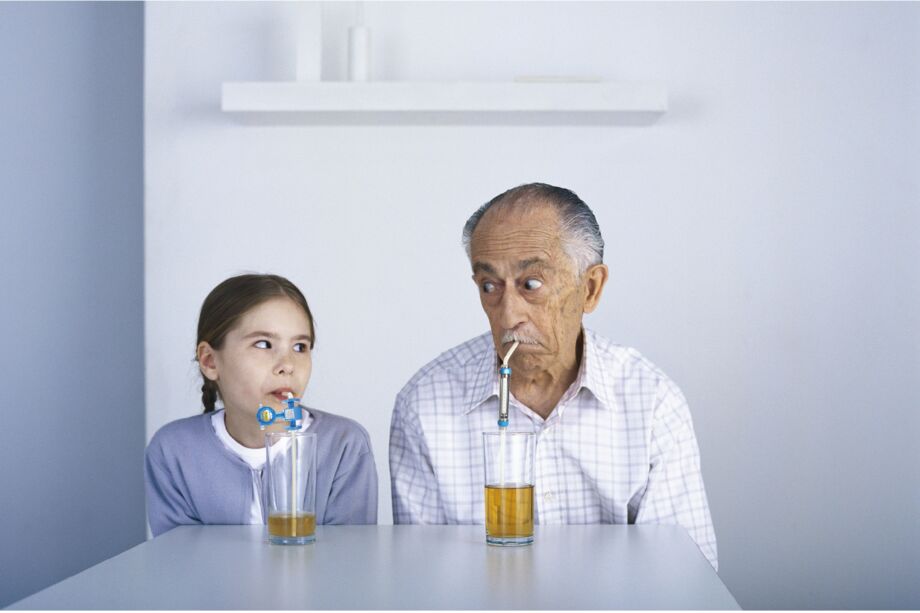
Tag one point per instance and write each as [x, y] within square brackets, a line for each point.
[488, 287]
[533, 284]
[300, 347]
[263, 344]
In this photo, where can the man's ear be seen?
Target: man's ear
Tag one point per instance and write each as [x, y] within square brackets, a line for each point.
[207, 361]
[595, 279]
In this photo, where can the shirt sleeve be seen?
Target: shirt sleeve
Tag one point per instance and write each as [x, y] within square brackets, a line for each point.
[353, 499]
[675, 493]
[166, 506]
[412, 479]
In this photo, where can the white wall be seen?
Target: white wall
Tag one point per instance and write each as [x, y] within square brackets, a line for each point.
[761, 235]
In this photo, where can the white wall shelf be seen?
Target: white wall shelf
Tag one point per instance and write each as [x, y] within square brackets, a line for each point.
[440, 97]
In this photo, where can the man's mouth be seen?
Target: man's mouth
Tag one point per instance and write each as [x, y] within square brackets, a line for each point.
[523, 339]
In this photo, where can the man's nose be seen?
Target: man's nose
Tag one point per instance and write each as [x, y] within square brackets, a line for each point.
[511, 309]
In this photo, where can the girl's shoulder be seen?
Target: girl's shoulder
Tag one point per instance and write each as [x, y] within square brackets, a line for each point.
[336, 427]
[182, 432]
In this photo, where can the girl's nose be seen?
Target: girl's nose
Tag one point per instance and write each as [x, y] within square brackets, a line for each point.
[285, 366]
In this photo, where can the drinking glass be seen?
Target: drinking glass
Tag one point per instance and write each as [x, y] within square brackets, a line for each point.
[291, 494]
[509, 481]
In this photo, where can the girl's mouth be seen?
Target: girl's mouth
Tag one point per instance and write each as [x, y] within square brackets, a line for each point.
[281, 394]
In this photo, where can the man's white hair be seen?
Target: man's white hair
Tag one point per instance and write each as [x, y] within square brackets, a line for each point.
[578, 229]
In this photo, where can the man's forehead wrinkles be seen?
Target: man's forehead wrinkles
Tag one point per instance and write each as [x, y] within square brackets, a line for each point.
[530, 262]
[509, 245]
[542, 261]
[509, 232]
[519, 255]
[521, 244]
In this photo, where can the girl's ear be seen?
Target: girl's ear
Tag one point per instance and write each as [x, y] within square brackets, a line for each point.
[207, 361]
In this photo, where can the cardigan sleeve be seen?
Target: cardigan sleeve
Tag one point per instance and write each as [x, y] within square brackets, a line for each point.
[167, 507]
[353, 497]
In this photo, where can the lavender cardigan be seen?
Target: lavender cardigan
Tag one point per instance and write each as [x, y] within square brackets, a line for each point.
[191, 478]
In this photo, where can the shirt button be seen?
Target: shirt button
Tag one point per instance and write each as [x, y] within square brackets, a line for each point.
[548, 496]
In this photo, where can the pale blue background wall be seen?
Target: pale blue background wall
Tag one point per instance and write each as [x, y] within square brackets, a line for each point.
[762, 238]
[71, 280]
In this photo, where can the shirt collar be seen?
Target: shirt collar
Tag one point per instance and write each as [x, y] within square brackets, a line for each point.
[482, 375]
[593, 373]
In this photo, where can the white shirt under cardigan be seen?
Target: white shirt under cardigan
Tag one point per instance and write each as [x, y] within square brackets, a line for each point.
[618, 448]
[254, 457]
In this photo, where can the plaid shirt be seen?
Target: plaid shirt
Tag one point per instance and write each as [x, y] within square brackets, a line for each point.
[618, 448]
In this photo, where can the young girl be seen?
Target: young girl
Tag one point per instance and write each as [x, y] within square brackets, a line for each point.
[255, 335]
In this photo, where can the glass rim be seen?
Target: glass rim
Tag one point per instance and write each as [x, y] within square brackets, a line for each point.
[512, 433]
[289, 434]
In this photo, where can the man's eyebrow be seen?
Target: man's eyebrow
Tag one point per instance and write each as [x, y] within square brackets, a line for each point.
[522, 265]
[525, 264]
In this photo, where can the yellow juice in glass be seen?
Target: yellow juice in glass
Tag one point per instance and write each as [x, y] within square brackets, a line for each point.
[286, 525]
[509, 513]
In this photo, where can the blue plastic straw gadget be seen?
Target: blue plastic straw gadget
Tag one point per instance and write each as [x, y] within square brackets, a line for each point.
[504, 376]
[292, 413]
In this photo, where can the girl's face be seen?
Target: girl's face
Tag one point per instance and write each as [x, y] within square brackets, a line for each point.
[263, 358]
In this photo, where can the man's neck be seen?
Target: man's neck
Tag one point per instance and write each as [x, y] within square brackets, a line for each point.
[541, 390]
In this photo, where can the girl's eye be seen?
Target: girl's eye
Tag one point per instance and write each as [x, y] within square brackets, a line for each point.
[263, 344]
[533, 284]
[488, 287]
[301, 347]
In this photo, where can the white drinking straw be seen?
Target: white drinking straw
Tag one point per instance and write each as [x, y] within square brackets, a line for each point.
[501, 430]
[510, 351]
[293, 471]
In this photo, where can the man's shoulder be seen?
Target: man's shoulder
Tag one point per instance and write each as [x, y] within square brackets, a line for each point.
[625, 362]
[452, 364]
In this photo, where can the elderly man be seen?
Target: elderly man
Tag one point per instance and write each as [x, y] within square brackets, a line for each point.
[615, 443]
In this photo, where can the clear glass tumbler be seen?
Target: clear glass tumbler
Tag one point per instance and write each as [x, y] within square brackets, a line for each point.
[509, 480]
[290, 510]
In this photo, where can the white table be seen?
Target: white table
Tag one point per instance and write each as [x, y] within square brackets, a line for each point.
[399, 567]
